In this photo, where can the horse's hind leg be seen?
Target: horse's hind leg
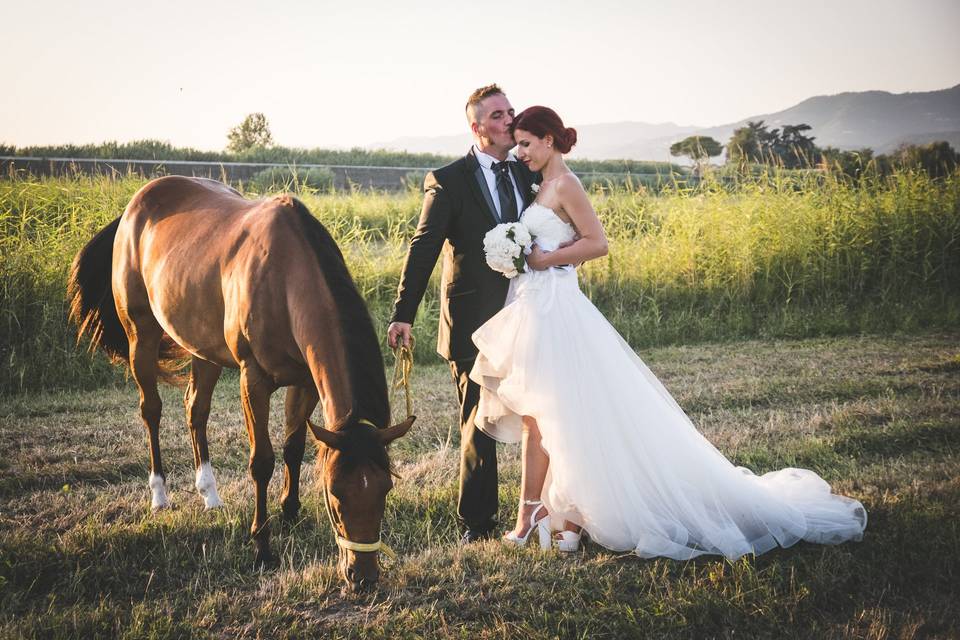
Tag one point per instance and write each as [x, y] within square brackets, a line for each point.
[144, 353]
[300, 403]
[196, 400]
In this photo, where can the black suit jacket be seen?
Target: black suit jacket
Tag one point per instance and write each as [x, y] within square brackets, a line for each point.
[458, 210]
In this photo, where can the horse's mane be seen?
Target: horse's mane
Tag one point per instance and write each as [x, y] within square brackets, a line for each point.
[364, 359]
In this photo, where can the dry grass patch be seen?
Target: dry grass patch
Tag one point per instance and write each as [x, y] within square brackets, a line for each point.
[878, 416]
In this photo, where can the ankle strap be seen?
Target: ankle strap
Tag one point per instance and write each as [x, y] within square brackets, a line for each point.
[531, 502]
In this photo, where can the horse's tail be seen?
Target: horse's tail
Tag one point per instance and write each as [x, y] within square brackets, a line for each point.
[92, 308]
[90, 293]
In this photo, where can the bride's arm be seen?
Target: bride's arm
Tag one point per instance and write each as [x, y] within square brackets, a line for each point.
[592, 242]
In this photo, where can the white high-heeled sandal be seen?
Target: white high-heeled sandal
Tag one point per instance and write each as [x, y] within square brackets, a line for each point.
[568, 541]
[542, 527]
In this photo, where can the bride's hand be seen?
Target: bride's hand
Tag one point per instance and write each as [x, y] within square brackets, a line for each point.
[537, 259]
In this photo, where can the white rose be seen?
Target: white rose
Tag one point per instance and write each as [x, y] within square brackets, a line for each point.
[521, 235]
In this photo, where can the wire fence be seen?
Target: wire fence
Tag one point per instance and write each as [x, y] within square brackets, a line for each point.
[344, 176]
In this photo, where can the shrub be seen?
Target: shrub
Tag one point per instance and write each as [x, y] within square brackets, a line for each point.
[413, 180]
[293, 179]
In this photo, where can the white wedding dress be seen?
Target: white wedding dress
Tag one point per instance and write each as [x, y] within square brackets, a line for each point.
[625, 461]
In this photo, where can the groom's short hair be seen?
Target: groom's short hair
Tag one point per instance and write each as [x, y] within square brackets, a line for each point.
[478, 96]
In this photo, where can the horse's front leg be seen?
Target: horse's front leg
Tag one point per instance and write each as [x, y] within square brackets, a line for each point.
[300, 403]
[255, 390]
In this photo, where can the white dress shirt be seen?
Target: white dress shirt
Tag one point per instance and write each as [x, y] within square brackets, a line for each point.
[486, 162]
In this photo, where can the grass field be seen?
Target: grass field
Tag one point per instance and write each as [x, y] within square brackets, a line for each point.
[81, 556]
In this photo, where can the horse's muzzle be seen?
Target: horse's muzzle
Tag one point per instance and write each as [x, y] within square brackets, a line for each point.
[362, 574]
[360, 581]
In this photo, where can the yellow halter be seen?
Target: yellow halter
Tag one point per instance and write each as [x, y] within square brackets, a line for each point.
[379, 545]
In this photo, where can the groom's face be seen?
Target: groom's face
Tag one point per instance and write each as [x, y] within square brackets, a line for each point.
[492, 128]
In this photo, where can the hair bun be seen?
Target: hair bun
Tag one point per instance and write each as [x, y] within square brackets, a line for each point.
[543, 121]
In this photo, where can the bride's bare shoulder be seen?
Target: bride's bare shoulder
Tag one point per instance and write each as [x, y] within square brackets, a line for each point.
[568, 183]
[568, 179]
[570, 190]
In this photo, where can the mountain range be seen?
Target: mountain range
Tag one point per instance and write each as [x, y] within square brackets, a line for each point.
[879, 120]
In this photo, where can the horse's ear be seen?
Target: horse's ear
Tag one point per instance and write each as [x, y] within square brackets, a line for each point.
[390, 434]
[329, 438]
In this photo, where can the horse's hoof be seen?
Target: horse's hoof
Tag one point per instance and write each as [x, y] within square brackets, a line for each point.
[263, 560]
[291, 516]
[159, 506]
[211, 503]
[359, 589]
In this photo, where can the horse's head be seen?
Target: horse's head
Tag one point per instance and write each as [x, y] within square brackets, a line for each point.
[356, 478]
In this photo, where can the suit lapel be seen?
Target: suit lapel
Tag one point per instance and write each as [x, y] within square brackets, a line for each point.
[479, 188]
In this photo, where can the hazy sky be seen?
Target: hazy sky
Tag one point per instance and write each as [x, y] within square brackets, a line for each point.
[336, 74]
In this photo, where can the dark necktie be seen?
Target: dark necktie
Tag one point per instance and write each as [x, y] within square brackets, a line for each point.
[508, 199]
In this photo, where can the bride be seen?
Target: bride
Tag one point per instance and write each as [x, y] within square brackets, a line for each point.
[605, 448]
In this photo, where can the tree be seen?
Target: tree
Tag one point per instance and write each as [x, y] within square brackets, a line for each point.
[746, 144]
[254, 131]
[698, 148]
[938, 159]
[788, 147]
[849, 163]
[795, 149]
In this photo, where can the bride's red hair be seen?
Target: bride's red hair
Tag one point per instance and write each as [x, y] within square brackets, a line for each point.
[543, 121]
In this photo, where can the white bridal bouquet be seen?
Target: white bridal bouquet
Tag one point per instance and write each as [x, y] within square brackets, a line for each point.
[505, 245]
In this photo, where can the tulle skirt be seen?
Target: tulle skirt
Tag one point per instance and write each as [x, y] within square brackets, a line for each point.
[626, 463]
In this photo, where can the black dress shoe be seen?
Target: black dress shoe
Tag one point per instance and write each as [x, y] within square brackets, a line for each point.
[475, 535]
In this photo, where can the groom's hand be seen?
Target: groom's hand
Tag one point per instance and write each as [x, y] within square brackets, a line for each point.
[401, 331]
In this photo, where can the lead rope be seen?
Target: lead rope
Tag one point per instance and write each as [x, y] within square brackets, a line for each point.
[403, 367]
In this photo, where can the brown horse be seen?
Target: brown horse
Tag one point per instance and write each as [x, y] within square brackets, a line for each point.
[193, 269]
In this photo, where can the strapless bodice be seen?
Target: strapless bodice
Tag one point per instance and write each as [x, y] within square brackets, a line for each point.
[547, 228]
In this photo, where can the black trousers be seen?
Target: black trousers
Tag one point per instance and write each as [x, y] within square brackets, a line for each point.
[478, 501]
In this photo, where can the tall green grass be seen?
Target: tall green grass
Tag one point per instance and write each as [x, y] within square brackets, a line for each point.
[781, 254]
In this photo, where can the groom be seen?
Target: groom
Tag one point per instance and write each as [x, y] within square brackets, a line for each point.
[462, 201]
